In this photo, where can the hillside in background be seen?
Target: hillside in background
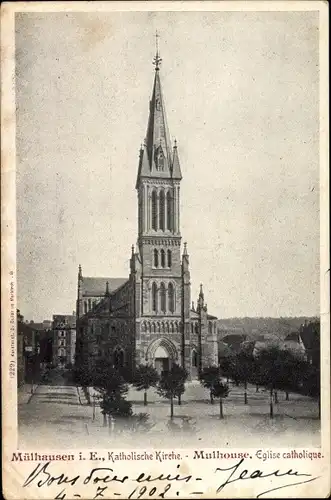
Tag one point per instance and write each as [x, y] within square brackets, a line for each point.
[266, 327]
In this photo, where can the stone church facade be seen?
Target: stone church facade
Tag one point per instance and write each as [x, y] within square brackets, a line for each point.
[148, 318]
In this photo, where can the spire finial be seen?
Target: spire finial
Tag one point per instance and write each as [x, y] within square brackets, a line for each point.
[157, 59]
[132, 250]
[185, 248]
[175, 143]
[107, 287]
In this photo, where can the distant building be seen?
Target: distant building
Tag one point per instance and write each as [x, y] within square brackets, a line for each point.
[291, 342]
[310, 336]
[64, 339]
[32, 341]
[230, 336]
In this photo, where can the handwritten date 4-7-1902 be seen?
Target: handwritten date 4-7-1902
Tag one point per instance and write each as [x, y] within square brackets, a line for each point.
[136, 493]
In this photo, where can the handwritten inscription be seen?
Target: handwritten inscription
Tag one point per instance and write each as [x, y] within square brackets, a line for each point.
[145, 484]
[238, 473]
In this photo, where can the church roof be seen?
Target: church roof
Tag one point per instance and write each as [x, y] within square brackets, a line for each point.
[96, 287]
[194, 314]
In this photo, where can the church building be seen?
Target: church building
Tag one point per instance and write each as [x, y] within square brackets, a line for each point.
[148, 318]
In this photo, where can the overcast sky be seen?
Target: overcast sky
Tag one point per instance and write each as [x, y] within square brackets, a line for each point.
[241, 95]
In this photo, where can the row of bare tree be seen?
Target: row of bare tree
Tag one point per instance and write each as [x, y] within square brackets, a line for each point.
[272, 368]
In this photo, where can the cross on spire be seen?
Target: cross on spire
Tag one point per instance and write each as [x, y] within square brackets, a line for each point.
[157, 59]
[157, 36]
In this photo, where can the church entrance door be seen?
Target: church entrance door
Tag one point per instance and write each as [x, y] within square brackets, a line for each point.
[162, 365]
[162, 361]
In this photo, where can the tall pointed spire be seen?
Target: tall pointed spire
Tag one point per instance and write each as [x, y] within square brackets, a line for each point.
[176, 172]
[157, 158]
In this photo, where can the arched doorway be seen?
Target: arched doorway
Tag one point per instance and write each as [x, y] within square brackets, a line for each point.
[162, 361]
[161, 354]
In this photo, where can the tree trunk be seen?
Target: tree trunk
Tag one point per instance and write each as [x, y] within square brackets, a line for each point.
[171, 407]
[211, 397]
[271, 404]
[245, 394]
[257, 388]
[104, 420]
[145, 398]
[276, 397]
[287, 398]
[179, 399]
[109, 424]
[221, 409]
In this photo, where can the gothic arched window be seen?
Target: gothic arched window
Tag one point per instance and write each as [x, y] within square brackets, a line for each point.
[171, 298]
[118, 358]
[196, 327]
[210, 327]
[192, 328]
[194, 358]
[156, 258]
[89, 304]
[159, 159]
[161, 210]
[121, 359]
[140, 213]
[154, 211]
[85, 307]
[162, 258]
[163, 297]
[169, 258]
[169, 211]
[154, 297]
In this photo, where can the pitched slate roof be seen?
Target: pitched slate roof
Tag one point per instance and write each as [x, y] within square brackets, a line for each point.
[194, 314]
[96, 287]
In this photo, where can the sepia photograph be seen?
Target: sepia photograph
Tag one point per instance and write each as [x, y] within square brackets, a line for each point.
[168, 235]
[168, 227]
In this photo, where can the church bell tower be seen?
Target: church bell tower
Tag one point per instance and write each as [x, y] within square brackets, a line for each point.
[159, 237]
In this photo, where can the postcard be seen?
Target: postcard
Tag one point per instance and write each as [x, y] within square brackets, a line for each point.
[165, 250]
